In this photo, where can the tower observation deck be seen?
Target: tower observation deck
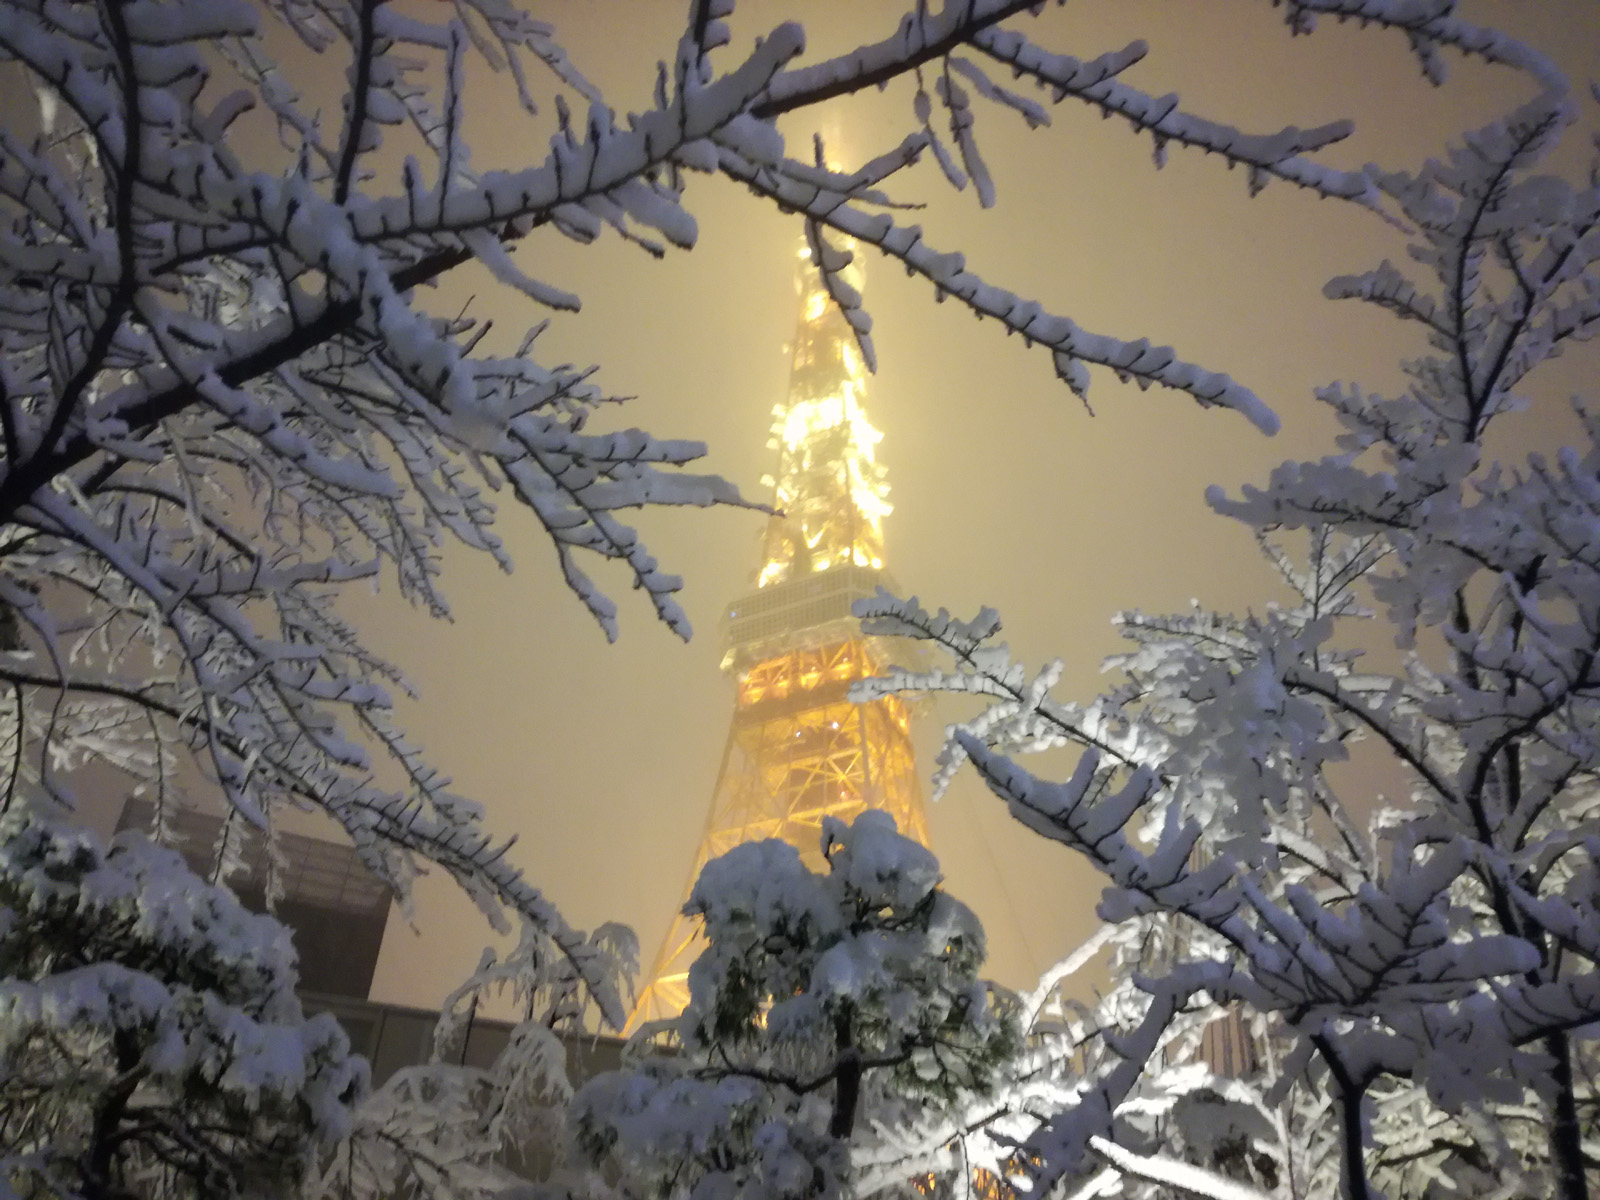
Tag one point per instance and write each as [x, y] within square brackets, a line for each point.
[798, 751]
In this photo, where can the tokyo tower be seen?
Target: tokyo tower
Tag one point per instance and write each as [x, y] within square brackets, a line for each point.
[798, 750]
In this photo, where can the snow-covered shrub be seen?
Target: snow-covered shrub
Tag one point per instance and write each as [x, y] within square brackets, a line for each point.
[150, 1040]
[826, 1006]
[450, 1129]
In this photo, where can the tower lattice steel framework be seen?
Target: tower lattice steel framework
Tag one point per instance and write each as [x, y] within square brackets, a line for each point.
[798, 750]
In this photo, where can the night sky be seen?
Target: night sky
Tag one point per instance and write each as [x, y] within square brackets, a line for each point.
[1007, 492]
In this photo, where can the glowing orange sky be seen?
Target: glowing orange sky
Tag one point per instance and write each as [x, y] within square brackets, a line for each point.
[1006, 492]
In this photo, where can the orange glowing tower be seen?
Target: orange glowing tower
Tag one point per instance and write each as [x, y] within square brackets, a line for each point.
[798, 750]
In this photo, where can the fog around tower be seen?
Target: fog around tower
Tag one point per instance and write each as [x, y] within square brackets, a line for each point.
[1005, 490]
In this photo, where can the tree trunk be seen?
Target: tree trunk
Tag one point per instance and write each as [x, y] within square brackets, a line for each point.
[846, 1079]
[1352, 1147]
[1566, 1136]
[99, 1160]
[1352, 1135]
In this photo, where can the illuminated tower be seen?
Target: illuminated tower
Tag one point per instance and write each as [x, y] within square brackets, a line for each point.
[798, 750]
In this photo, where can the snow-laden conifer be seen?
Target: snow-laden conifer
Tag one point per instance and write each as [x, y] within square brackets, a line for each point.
[828, 1010]
[150, 1038]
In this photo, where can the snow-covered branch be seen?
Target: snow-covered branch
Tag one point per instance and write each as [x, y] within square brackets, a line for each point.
[1435, 973]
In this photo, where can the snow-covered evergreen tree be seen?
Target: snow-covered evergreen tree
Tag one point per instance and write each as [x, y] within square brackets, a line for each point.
[150, 1040]
[827, 1009]
[1421, 987]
